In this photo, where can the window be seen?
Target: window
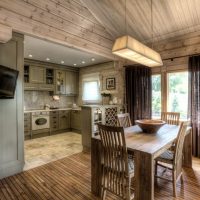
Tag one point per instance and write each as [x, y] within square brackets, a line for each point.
[177, 90]
[156, 96]
[91, 89]
[174, 94]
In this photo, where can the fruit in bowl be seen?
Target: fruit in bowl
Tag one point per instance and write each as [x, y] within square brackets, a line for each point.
[150, 125]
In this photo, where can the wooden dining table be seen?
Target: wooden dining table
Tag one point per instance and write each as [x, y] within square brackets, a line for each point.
[146, 148]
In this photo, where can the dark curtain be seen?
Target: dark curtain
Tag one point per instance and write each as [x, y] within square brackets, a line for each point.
[138, 92]
[194, 101]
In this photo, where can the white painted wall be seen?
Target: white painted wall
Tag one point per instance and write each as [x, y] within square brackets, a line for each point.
[11, 112]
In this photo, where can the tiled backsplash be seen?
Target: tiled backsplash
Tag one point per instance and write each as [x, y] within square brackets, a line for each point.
[37, 100]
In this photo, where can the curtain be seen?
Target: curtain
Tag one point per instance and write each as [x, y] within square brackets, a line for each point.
[138, 92]
[194, 101]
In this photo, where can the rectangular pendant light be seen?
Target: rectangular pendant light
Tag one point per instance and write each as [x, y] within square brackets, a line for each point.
[131, 49]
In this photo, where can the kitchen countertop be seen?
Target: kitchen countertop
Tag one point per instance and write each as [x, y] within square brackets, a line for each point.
[50, 110]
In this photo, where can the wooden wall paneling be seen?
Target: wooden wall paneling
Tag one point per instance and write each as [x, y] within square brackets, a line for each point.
[5, 33]
[40, 15]
[51, 21]
[28, 26]
[182, 51]
[67, 14]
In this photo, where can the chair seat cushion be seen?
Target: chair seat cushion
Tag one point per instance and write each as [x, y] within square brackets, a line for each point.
[166, 157]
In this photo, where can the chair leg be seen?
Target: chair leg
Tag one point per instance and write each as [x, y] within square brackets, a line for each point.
[156, 167]
[181, 178]
[103, 194]
[174, 184]
[128, 189]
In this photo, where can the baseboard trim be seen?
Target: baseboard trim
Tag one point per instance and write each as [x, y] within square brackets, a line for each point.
[11, 168]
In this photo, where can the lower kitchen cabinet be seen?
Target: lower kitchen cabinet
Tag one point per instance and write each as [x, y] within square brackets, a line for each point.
[60, 121]
[64, 119]
[54, 121]
[76, 120]
[27, 126]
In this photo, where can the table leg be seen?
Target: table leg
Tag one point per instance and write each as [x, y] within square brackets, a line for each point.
[144, 176]
[96, 167]
[187, 150]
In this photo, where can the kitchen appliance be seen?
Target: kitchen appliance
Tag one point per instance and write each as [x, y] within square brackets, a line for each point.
[40, 120]
[8, 81]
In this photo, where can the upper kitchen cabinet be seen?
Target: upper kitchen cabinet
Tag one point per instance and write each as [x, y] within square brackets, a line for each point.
[37, 75]
[71, 83]
[60, 82]
[38, 78]
[66, 82]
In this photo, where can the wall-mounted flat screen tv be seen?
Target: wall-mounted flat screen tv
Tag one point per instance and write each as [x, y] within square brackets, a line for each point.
[8, 81]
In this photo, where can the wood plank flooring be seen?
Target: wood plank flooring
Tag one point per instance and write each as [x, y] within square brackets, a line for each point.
[69, 179]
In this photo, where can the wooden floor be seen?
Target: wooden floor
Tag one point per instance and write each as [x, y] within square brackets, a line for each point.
[69, 178]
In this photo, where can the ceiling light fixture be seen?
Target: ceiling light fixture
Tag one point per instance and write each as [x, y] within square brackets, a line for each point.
[62, 62]
[131, 49]
[83, 62]
[47, 59]
[75, 64]
[93, 59]
[30, 56]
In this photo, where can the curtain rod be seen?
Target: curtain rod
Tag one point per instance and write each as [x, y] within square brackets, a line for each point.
[197, 54]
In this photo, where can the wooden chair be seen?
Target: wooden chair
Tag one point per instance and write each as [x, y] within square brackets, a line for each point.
[117, 169]
[171, 117]
[124, 120]
[173, 158]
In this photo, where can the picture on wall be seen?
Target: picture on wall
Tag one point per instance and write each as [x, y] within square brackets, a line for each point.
[110, 84]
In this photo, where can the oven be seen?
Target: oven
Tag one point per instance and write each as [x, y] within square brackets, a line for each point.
[40, 120]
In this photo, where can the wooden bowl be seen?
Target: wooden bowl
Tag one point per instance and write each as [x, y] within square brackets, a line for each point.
[150, 125]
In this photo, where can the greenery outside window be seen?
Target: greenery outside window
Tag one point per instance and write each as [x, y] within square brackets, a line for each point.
[156, 96]
[177, 90]
[174, 92]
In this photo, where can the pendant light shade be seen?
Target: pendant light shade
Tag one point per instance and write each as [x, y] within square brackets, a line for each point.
[131, 49]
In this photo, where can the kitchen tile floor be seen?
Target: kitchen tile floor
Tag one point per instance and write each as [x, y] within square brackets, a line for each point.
[47, 149]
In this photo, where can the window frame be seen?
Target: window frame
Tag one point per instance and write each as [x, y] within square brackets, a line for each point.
[164, 84]
[94, 77]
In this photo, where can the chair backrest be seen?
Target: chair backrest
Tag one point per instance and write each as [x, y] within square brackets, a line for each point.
[178, 153]
[124, 120]
[171, 117]
[115, 159]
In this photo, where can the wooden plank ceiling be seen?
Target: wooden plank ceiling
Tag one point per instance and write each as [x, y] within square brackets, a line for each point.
[93, 25]
[170, 18]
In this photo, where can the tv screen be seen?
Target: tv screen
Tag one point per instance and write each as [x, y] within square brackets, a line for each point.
[8, 79]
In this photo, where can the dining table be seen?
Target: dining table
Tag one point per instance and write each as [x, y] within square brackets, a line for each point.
[146, 147]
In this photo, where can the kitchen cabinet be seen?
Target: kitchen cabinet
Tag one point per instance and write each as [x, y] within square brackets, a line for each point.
[54, 121]
[76, 120]
[66, 82]
[38, 78]
[71, 83]
[37, 75]
[64, 119]
[91, 115]
[60, 82]
[27, 126]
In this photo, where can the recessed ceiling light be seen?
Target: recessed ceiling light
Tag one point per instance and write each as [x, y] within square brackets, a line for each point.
[30, 56]
[75, 64]
[93, 59]
[47, 59]
[83, 62]
[62, 62]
